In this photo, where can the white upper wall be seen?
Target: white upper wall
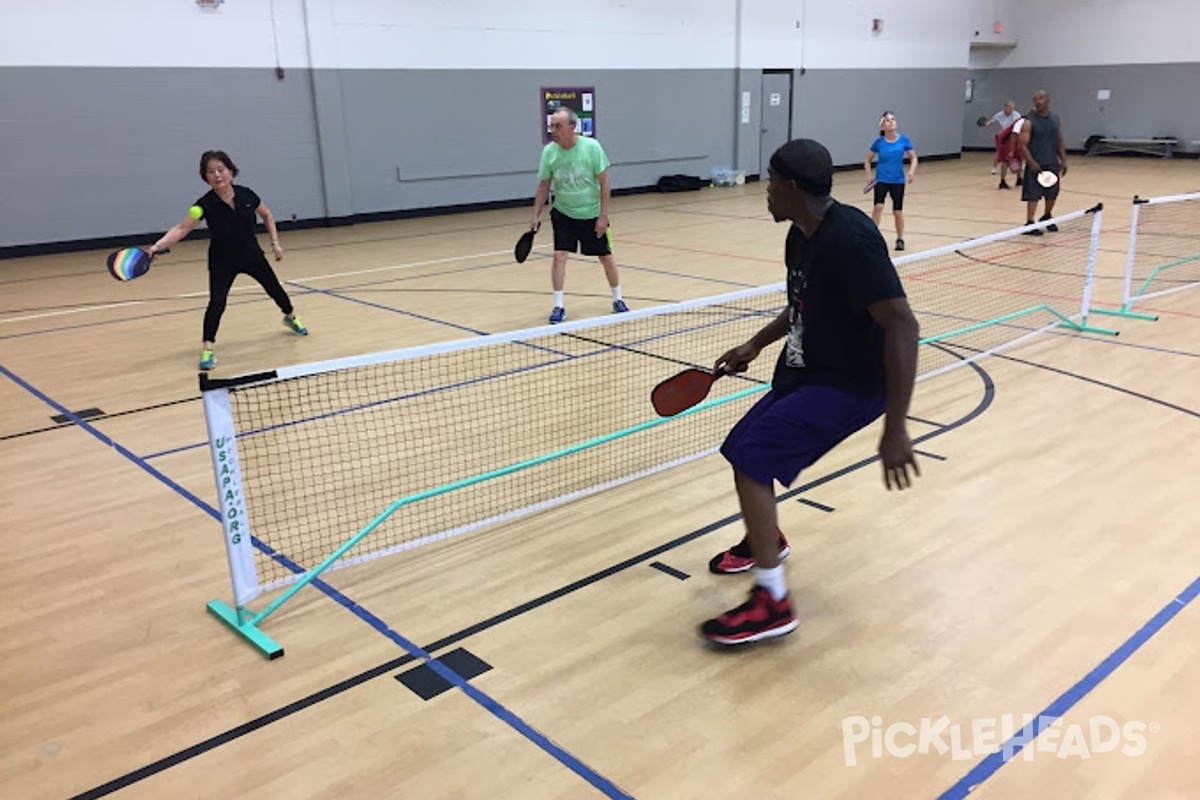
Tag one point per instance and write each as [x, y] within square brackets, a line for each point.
[528, 34]
[599, 34]
[913, 34]
[817, 34]
[150, 33]
[1054, 33]
[485, 34]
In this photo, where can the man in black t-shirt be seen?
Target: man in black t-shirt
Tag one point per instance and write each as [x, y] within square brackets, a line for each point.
[850, 356]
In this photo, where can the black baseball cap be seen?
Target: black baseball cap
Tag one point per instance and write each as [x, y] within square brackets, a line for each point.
[808, 163]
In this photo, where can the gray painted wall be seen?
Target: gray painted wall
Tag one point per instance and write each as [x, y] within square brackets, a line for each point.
[1147, 100]
[106, 152]
[93, 153]
[746, 158]
[841, 109]
[429, 138]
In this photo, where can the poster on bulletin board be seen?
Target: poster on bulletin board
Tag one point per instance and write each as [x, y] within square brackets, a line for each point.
[581, 100]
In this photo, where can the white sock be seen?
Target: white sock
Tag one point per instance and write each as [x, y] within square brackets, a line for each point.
[558, 300]
[773, 580]
[616, 290]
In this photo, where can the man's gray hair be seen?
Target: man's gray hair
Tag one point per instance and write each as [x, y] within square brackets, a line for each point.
[571, 115]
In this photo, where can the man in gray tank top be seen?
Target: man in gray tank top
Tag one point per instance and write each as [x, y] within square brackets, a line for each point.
[1042, 147]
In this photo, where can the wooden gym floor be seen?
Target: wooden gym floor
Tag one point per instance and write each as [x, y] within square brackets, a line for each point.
[1044, 564]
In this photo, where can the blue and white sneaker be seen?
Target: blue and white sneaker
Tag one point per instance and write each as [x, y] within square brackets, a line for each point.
[557, 315]
[207, 360]
[619, 307]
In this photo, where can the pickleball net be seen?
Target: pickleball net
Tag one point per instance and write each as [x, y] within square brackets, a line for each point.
[325, 465]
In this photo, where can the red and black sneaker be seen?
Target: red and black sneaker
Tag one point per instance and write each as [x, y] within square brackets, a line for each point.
[760, 617]
[738, 559]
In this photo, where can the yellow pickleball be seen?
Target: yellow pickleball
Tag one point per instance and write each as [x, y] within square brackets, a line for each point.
[195, 212]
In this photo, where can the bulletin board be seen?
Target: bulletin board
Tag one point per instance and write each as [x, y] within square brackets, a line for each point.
[580, 99]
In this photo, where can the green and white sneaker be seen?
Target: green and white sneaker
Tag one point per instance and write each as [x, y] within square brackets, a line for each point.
[294, 325]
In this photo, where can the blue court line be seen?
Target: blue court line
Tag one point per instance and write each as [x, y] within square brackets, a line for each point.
[382, 307]
[1068, 699]
[398, 279]
[336, 294]
[672, 274]
[986, 768]
[599, 782]
[203, 301]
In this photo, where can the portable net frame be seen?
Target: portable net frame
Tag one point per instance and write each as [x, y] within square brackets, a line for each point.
[324, 465]
[1164, 251]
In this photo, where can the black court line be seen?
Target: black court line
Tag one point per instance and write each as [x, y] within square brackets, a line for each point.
[425, 682]
[1096, 382]
[70, 423]
[493, 707]
[816, 505]
[674, 573]
[497, 619]
[925, 421]
[995, 262]
[86, 413]
[927, 454]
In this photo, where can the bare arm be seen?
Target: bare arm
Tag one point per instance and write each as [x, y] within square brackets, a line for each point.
[867, 164]
[605, 197]
[269, 220]
[900, 337]
[912, 164]
[737, 359]
[176, 234]
[1024, 141]
[1062, 151]
[539, 201]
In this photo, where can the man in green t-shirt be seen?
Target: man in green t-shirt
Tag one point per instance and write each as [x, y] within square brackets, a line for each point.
[578, 168]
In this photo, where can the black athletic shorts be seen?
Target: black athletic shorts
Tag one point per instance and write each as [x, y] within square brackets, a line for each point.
[572, 234]
[896, 190]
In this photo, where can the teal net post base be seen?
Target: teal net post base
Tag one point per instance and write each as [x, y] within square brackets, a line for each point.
[1083, 327]
[1065, 322]
[236, 619]
[247, 628]
[1125, 313]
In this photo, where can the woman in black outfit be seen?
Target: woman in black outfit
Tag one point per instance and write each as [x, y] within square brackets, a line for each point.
[233, 246]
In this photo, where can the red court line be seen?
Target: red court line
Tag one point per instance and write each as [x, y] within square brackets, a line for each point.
[1032, 247]
[1140, 307]
[999, 290]
[773, 261]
